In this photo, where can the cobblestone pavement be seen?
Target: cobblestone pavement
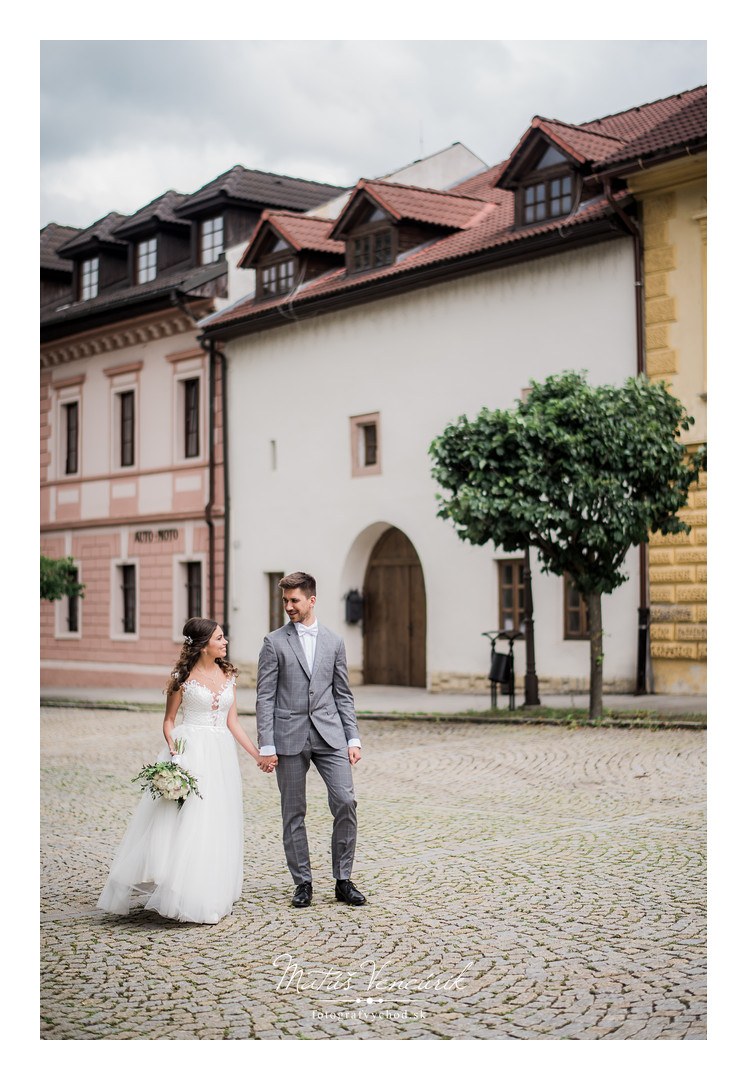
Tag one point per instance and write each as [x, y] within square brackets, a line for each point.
[523, 883]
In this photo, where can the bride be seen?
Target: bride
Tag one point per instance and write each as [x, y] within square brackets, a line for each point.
[186, 862]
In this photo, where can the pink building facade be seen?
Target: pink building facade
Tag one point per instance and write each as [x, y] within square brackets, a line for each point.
[132, 434]
[147, 538]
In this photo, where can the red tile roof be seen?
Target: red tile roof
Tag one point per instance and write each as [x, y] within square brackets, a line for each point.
[582, 144]
[406, 203]
[302, 232]
[487, 231]
[483, 215]
[646, 129]
[639, 133]
[483, 186]
[661, 126]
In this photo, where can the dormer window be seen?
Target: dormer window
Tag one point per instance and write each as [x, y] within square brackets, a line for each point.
[146, 260]
[371, 241]
[276, 271]
[384, 222]
[89, 279]
[547, 189]
[211, 240]
[287, 248]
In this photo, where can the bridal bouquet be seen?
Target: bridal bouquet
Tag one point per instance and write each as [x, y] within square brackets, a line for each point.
[168, 780]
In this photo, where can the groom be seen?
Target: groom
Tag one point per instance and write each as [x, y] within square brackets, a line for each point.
[305, 713]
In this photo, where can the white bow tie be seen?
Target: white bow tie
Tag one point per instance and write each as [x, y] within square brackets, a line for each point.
[311, 630]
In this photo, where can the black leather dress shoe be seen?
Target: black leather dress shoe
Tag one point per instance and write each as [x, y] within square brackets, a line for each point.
[346, 891]
[302, 895]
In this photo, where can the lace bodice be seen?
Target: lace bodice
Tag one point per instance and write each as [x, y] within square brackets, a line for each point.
[205, 708]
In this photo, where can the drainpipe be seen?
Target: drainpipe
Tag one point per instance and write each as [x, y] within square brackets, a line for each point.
[644, 611]
[218, 358]
[177, 300]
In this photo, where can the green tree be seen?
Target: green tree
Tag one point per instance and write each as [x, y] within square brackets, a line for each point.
[59, 578]
[579, 472]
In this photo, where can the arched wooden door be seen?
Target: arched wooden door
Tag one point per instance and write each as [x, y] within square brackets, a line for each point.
[394, 614]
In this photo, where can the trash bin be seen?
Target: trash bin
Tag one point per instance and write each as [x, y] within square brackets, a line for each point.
[500, 668]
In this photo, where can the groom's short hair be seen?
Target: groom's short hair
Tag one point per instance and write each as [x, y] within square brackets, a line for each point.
[305, 582]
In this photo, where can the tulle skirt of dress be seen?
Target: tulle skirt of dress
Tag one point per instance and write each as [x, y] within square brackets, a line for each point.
[187, 863]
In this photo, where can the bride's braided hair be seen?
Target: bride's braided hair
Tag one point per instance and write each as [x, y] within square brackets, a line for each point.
[197, 633]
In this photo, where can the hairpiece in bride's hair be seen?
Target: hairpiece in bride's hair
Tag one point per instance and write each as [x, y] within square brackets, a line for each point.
[188, 640]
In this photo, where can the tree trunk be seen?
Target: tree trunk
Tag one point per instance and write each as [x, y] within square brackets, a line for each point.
[531, 682]
[594, 604]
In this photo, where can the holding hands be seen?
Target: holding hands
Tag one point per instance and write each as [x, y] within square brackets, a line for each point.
[267, 762]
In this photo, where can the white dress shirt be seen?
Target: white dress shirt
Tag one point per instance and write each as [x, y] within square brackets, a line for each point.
[307, 635]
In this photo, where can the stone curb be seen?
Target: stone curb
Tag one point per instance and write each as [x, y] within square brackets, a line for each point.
[444, 718]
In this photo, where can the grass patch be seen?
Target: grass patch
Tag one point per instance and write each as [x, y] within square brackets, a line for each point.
[565, 717]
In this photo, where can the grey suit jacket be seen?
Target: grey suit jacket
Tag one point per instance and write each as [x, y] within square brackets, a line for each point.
[289, 695]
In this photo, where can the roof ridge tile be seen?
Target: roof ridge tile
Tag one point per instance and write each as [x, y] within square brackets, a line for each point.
[429, 191]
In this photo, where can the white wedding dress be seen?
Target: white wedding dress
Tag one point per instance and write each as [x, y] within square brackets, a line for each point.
[187, 863]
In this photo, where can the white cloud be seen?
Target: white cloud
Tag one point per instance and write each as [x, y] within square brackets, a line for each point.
[123, 121]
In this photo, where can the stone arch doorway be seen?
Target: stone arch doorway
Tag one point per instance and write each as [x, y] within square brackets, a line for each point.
[394, 618]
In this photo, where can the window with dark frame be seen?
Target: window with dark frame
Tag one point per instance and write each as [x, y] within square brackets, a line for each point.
[73, 606]
[277, 611]
[127, 428]
[547, 198]
[191, 418]
[146, 260]
[211, 240]
[510, 594]
[277, 278]
[128, 584]
[371, 250]
[575, 611]
[365, 444]
[71, 437]
[89, 279]
[194, 590]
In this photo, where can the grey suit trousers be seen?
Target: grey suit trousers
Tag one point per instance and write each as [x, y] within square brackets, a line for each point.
[333, 765]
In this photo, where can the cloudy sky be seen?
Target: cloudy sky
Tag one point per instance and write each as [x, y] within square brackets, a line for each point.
[123, 121]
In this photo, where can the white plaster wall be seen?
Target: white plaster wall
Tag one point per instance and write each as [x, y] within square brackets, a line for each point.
[420, 360]
[441, 170]
[241, 283]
